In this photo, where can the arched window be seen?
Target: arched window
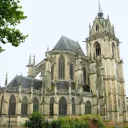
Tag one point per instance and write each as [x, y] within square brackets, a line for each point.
[35, 105]
[73, 106]
[52, 72]
[62, 106]
[97, 27]
[88, 107]
[98, 49]
[24, 106]
[61, 67]
[71, 73]
[1, 106]
[51, 106]
[12, 105]
[113, 49]
[84, 75]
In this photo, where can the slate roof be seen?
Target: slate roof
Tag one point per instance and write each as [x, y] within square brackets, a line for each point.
[65, 43]
[26, 82]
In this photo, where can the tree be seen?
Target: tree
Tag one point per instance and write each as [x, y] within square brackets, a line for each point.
[10, 16]
[35, 121]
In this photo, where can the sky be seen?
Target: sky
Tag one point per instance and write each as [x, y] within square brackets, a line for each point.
[48, 20]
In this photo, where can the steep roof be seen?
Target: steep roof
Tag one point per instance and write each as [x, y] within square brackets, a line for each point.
[26, 82]
[65, 43]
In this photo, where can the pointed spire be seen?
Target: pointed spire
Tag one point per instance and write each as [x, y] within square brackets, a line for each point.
[29, 63]
[100, 13]
[34, 62]
[99, 7]
[6, 79]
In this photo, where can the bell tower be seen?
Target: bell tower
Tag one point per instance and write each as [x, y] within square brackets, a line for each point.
[106, 72]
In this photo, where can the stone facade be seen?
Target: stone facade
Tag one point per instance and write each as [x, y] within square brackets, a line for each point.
[95, 81]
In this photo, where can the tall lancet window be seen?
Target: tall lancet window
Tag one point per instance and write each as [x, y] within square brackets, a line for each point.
[35, 105]
[88, 107]
[24, 106]
[1, 105]
[113, 50]
[97, 27]
[51, 106]
[84, 75]
[12, 105]
[52, 72]
[98, 49]
[62, 106]
[71, 73]
[73, 106]
[61, 67]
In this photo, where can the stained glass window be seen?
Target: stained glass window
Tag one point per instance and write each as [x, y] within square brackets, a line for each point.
[24, 106]
[61, 67]
[62, 106]
[88, 107]
[12, 105]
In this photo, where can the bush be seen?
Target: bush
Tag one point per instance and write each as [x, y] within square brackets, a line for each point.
[84, 121]
[35, 121]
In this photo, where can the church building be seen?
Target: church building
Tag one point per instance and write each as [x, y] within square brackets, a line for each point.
[71, 83]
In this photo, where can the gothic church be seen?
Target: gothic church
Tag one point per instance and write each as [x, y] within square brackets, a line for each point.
[71, 83]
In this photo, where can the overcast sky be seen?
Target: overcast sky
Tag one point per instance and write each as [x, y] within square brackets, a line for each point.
[49, 19]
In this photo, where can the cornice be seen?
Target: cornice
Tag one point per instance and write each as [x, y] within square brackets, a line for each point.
[101, 35]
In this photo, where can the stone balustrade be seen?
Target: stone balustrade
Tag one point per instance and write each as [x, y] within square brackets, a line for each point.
[26, 90]
[63, 91]
[36, 92]
[12, 89]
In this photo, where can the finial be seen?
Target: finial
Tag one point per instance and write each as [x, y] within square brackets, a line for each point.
[100, 13]
[34, 62]
[6, 79]
[29, 63]
[89, 29]
[47, 48]
[108, 16]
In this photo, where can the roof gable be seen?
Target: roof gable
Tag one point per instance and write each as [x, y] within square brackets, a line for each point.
[65, 43]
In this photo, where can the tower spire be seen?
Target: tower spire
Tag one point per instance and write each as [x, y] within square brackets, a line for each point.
[100, 13]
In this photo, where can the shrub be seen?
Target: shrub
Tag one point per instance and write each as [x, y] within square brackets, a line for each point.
[35, 121]
[83, 121]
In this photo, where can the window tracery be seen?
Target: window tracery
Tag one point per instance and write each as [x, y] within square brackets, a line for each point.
[35, 105]
[24, 106]
[88, 107]
[12, 105]
[61, 67]
[62, 106]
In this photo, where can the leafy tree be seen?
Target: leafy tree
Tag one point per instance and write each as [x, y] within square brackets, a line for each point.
[35, 121]
[10, 16]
